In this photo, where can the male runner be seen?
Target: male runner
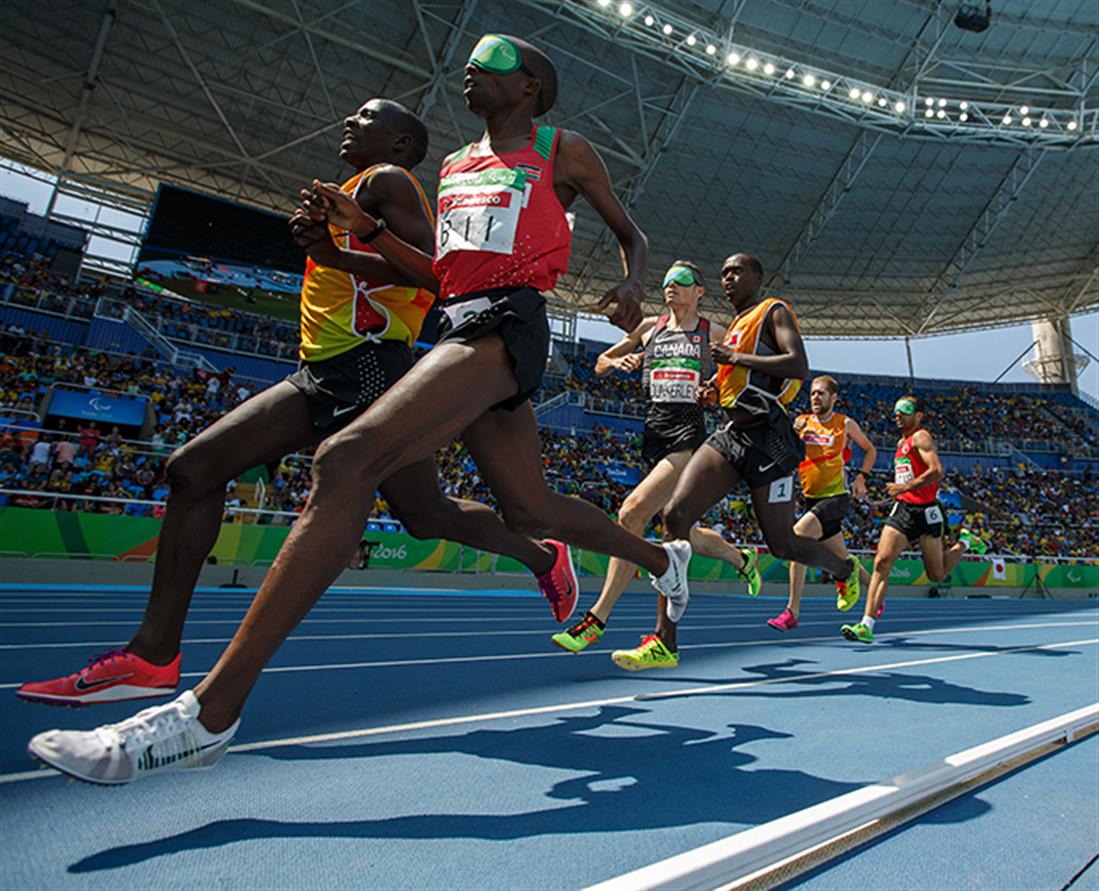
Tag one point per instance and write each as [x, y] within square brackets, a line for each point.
[826, 434]
[502, 238]
[761, 362]
[916, 516]
[356, 332]
[676, 360]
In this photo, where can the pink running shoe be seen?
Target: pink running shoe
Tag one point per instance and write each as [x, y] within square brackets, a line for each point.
[559, 585]
[109, 677]
[784, 621]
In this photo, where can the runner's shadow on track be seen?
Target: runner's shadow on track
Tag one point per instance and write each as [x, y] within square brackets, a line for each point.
[629, 774]
[884, 685]
[905, 644]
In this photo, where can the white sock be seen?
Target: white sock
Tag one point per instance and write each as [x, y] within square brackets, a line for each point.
[868, 622]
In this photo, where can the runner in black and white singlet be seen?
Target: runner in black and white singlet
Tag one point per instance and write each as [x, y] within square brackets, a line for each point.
[675, 358]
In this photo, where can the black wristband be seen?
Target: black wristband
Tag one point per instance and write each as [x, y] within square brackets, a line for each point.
[373, 233]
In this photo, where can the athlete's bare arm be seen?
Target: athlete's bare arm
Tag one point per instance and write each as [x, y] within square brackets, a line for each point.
[580, 171]
[924, 444]
[870, 455]
[623, 356]
[789, 360]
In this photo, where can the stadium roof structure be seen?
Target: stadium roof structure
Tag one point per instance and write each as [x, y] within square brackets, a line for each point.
[898, 175]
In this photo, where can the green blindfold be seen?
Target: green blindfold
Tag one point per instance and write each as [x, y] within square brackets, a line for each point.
[904, 407]
[681, 275]
[498, 55]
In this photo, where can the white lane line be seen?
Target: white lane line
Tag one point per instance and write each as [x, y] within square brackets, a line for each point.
[590, 703]
[415, 635]
[554, 654]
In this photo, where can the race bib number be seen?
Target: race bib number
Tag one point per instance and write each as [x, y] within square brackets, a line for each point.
[902, 471]
[933, 515]
[458, 313]
[782, 490]
[480, 211]
[674, 384]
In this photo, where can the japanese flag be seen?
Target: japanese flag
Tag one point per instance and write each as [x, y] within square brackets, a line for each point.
[999, 569]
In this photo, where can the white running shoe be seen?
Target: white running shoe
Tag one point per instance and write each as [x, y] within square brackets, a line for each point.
[673, 583]
[158, 739]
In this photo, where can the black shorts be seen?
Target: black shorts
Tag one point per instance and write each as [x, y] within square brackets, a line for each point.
[520, 316]
[342, 388]
[762, 452]
[830, 512]
[917, 520]
[670, 429]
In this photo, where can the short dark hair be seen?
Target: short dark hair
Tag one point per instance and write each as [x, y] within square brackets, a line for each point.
[699, 278]
[407, 123]
[539, 63]
[915, 400]
[754, 265]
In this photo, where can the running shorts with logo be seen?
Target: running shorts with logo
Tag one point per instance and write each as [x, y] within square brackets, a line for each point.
[341, 388]
[917, 520]
[762, 451]
[671, 428]
[519, 314]
[830, 512]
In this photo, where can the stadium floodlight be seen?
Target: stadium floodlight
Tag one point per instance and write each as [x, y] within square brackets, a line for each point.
[1071, 125]
[882, 101]
[929, 113]
[1043, 123]
[733, 58]
[691, 40]
[826, 85]
[790, 74]
[625, 10]
[1006, 119]
[710, 49]
[867, 97]
[809, 80]
[963, 117]
[941, 113]
[942, 103]
[649, 21]
[853, 93]
[963, 105]
[1026, 122]
[667, 29]
[604, 3]
[769, 68]
[752, 64]
[1024, 110]
[899, 107]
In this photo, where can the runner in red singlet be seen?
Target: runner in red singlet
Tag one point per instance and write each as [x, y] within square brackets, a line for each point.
[501, 236]
[916, 516]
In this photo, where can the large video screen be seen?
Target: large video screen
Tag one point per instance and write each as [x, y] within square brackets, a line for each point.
[209, 249]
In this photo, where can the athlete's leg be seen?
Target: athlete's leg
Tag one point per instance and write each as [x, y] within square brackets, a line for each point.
[644, 502]
[839, 547]
[262, 429]
[937, 562]
[440, 396]
[890, 545]
[414, 494]
[707, 543]
[808, 525]
[706, 479]
[776, 521]
[508, 453]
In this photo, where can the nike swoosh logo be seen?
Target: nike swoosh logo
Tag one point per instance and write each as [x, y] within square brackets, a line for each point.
[336, 412]
[82, 684]
[767, 466]
[148, 760]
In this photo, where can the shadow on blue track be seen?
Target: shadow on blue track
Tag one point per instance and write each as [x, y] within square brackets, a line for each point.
[885, 685]
[670, 776]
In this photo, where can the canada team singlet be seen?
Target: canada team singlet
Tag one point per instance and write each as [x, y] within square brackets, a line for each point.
[340, 310]
[826, 453]
[754, 391]
[676, 362]
[500, 223]
[907, 465]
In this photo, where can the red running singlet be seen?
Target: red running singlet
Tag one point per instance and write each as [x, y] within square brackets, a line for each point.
[907, 465]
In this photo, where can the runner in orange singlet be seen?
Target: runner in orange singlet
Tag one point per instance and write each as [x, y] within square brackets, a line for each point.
[916, 516]
[827, 435]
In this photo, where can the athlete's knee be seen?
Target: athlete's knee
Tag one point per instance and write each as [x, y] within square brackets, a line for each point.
[632, 515]
[339, 464]
[678, 520]
[424, 521]
[194, 471]
[935, 574]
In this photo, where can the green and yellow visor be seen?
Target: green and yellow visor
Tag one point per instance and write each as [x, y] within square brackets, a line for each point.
[497, 55]
[681, 275]
[904, 407]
